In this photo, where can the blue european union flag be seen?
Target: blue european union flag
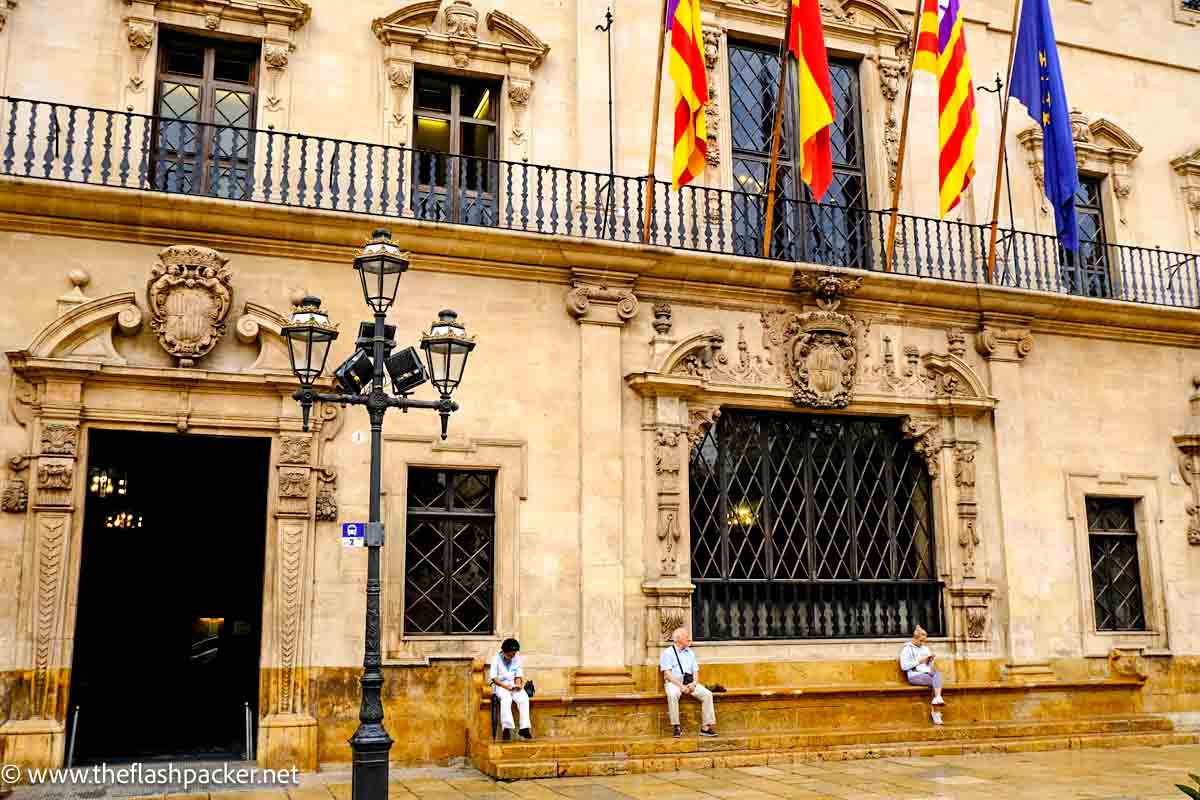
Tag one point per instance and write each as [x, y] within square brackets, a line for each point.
[1037, 82]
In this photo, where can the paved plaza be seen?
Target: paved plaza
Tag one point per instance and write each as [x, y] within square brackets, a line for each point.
[1122, 774]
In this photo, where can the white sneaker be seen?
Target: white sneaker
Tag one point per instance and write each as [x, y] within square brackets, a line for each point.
[939, 701]
[937, 717]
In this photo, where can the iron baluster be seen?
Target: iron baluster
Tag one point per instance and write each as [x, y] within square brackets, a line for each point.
[334, 165]
[29, 139]
[9, 151]
[285, 169]
[267, 185]
[69, 154]
[351, 191]
[106, 161]
[384, 173]
[51, 141]
[583, 198]
[402, 155]
[525, 194]
[317, 184]
[508, 196]
[707, 221]
[124, 167]
[554, 201]
[625, 209]
[639, 223]
[147, 145]
[368, 193]
[540, 216]
[87, 146]
[302, 180]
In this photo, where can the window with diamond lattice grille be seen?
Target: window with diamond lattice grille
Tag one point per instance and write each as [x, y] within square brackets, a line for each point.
[1085, 272]
[449, 552]
[811, 527]
[205, 99]
[1116, 575]
[832, 232]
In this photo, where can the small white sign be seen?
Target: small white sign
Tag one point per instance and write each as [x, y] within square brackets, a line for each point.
[352, 534]
[358, 437]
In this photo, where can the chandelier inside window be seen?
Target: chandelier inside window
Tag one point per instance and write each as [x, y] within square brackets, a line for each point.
[124, 520]
[104, 482]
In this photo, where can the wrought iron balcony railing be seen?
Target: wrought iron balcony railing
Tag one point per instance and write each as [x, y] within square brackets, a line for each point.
[79, 144]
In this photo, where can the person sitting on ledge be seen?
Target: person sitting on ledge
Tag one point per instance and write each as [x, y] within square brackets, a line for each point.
[917, 663]
[508, 684]
[680, 671]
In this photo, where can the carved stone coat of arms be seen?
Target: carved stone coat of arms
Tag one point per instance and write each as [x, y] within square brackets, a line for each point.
[190, 293]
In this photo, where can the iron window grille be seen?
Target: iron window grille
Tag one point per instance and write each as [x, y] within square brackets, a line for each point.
[808, 526]
[1086, 272]
[1116, 575]
[831, 232]
[205, 96]
[449, 552]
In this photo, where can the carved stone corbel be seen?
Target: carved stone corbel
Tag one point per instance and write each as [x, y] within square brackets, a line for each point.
[519, 93]
[275, 56]
[1128, 662]
[926, 435]
[399, 77]
[139, 33]
[701, 417]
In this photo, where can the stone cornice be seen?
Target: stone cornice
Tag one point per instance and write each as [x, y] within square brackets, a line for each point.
[154, 219]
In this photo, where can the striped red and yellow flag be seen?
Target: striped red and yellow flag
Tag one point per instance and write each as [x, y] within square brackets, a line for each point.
[945, 55]
[691, 91]
[806, 43]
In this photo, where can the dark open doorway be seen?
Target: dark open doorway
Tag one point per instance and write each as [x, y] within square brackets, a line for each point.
[170, 596]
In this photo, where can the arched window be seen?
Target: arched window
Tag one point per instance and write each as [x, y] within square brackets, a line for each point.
[809, 526]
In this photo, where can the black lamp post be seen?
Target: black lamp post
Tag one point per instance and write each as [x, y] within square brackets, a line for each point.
[310, 335]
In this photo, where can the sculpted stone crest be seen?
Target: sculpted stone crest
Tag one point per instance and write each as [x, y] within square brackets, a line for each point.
[190, 292]
[818, 348]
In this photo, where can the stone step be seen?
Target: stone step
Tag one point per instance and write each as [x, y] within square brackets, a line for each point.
[578, 757]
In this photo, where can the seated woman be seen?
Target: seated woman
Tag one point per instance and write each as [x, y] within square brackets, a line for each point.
[917, 663]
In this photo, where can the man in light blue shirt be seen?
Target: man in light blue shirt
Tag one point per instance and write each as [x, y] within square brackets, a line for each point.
[680, 677]
[508, 684]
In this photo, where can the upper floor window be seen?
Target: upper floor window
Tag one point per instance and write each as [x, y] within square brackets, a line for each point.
[205, 100]
[1086, 271]
[455, 171]
[1116, 573]
[833, 232]
[448, 556]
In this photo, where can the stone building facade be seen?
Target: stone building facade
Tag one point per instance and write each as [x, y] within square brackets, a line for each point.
[1025, 429]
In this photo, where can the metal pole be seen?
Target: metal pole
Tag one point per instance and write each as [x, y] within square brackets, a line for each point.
[662, 41]
[777, 132]
[1002, 155]
[890, 250]
[608, 202]
[371, 743]
[74, 731]
[1007, 173]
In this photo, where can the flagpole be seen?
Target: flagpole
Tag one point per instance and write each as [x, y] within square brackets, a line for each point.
[912, 59]
[662, 40]
[1002, 155]
[778, 131]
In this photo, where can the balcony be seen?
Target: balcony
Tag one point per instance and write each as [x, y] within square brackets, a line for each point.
[77, 144]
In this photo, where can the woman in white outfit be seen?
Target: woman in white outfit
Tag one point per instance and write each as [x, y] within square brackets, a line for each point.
[917, 663]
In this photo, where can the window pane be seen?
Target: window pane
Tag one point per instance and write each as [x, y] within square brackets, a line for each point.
[432, 134]
[754, 81]
[478, 101]
[184, 59]
[1116, 574]
[179, 101]
[433, 93]
[234, 65]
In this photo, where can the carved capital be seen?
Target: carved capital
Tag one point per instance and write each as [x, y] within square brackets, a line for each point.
[293, 483]
[519, 92]
[400, 75]
[276, 55]
[139, 33]
[700, 419]
[1004, 344]
[622, 301]
[295, 449]
[59, 439]
[926, 435]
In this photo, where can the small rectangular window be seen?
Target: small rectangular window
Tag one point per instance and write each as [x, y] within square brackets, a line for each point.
[449, 552]
[1116, 573]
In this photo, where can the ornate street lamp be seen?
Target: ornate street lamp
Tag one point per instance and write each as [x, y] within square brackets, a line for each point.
[310, 334]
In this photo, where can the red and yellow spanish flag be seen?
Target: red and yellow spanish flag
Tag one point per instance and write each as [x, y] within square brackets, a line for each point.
[806, 43]
[942, 51]
[691, 90]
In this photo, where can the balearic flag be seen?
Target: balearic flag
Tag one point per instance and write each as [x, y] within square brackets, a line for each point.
[691, 90]
[958, 125]
[1037, 82]
[806, 43]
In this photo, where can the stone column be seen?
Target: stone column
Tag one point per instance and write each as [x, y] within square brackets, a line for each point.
[602, 306]
[1005, 348]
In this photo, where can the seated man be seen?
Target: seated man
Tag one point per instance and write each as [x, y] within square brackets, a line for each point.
[917, 663]
[508, 684]
[680, 671]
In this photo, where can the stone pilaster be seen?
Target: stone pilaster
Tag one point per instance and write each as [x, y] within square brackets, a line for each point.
[602, 305]
[288, 730]
[1006, 344]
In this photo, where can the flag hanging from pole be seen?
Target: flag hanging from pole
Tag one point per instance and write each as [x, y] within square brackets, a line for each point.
[958, 125]
[1037, 82]
[691, 91]
[806, 43]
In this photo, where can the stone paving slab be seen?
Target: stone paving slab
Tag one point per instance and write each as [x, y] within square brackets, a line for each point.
[1135, 773]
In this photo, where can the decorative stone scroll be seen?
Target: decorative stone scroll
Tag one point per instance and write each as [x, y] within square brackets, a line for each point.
[189, 292]
[581, 297]
[926, 436]
[1004, 344]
